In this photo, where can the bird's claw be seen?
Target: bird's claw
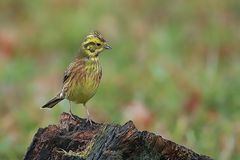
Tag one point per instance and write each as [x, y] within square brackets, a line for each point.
[89, 120]
[72, 116]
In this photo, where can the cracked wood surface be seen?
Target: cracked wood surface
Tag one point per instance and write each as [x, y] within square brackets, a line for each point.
[76, 139]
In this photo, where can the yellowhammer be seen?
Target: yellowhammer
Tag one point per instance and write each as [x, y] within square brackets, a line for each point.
[82, 77]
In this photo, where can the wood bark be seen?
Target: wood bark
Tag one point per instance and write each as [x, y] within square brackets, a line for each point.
[75, 139]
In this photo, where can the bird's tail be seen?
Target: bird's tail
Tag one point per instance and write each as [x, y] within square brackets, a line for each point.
[53, 102]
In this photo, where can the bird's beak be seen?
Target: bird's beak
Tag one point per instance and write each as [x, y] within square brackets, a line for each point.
[107, 46]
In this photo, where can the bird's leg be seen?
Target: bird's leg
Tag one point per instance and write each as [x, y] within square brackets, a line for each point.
[70, 109]
[88, 115]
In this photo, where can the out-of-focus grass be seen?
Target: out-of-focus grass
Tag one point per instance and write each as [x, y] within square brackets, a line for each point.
[174, 68]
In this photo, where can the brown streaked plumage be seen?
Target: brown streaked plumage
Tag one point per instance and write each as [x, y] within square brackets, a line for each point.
[82, 77]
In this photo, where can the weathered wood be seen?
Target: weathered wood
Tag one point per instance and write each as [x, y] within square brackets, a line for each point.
[76, 139]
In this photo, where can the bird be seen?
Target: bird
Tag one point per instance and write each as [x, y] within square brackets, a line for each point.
[83, 75]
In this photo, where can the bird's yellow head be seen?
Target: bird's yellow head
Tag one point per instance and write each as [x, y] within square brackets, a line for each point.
[93, 44]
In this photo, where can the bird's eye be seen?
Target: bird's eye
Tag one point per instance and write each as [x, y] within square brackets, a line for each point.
[98, 44]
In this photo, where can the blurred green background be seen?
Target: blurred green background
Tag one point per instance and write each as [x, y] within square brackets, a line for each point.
[174, 68]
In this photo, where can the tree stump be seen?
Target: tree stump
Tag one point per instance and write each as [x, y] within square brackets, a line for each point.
[75, 139]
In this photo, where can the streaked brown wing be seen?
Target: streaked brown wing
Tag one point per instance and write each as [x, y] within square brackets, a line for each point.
[66, 76]
[72, 68]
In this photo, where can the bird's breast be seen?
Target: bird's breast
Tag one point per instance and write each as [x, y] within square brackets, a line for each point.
[86, 82]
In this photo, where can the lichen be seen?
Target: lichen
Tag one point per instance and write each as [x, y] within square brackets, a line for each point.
[82, 154]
